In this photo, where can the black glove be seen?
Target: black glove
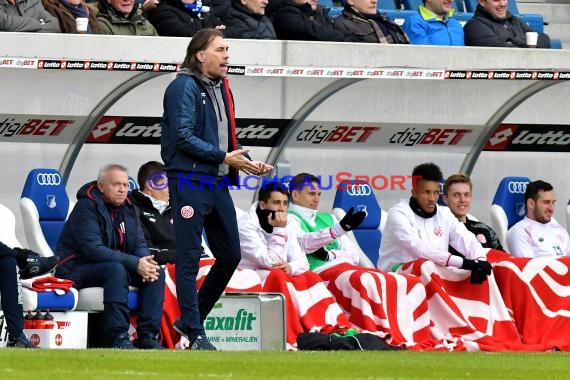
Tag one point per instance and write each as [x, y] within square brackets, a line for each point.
[480, 269]
[163, 256]
[321, 254]
[352, 219]
[263, 216]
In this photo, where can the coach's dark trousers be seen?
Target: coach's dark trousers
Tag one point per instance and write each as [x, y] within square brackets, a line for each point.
[197, 207]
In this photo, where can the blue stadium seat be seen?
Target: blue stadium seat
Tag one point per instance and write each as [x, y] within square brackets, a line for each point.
[470, 5]
[335, 11]
[133, 185]
[384, 5]
[555, 43]
[508, 205]
[458, 5]
[326, 3]
[45, 206]
[398, 15]
[412, 5]
[362, 197]
[535, 21]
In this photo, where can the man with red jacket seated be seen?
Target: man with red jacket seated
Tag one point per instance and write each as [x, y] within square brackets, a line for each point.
[102, 244]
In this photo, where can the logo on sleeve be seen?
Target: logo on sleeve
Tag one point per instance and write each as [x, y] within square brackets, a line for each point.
[187, 212]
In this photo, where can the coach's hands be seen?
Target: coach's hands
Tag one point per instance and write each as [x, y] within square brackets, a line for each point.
[237, 160]
[480, 269]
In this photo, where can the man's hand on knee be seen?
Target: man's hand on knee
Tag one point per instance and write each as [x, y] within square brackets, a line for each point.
[148, 269]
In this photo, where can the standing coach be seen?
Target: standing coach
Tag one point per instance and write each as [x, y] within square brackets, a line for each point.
[199, 141]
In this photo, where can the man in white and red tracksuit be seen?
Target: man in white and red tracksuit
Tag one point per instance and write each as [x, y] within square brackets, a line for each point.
[202, 158]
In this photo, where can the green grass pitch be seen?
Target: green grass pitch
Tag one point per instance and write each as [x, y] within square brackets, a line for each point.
[102, 364]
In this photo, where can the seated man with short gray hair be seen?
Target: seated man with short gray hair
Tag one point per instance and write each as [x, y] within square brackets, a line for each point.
[102, 244]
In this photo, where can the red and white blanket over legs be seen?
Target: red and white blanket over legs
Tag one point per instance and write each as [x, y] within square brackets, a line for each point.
[394, 305]
[474, 315]
[537, 293]
[245, 280]
[309, 305]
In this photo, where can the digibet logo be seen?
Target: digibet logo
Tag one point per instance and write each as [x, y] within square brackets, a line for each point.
[242, 321]
[339, 134]
[434, 136]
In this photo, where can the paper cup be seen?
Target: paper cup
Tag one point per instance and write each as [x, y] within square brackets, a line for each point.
[531, 39]
[81, 24]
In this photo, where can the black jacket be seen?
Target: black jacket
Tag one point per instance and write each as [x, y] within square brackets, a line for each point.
[484, 234]
[484, 30]
[241, 23]
[171, 18]
[158, 229]
[298, 22]
[376, 28]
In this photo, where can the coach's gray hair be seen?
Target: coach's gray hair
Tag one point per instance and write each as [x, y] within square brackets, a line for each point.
[107, 168]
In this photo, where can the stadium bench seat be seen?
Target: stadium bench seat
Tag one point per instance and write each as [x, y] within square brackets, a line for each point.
[45, 206]
[508, 206]
[33, 300]
[361, 197]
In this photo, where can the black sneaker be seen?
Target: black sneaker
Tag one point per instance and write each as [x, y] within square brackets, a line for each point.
[180, 329]
[20, 342]
[37, 266]
[122, 342]
[201, 343]
[148, 343]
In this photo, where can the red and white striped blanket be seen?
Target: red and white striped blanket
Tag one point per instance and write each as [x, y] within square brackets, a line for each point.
[245, 280]
[392, 305]
[537, 294]
[473, 316]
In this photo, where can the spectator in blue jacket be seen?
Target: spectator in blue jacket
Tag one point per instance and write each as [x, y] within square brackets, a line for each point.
[434, 25]
[102, 244]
